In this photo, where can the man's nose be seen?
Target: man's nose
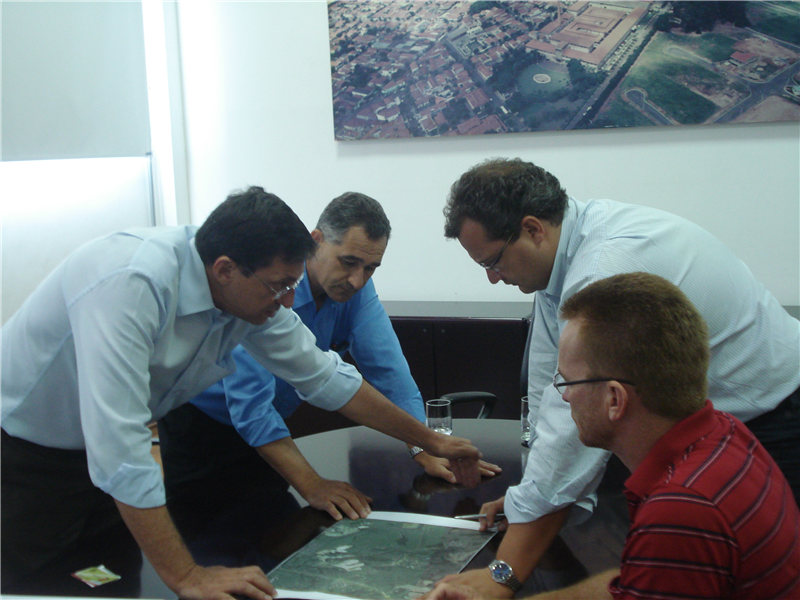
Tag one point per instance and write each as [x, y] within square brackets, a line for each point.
[357, 279]
[287, 300]
[494, 276]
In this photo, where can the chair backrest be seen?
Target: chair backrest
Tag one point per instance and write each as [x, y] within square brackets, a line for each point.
[488, 399]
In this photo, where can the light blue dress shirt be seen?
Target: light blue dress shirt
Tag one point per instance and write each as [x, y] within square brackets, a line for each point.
[123, 331]
[256, 403]
[755, 343]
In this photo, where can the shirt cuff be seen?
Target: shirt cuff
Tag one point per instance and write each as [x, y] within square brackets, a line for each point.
[137, 486]
[524, 505]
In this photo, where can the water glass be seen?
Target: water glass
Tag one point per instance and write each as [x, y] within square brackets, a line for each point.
[438, 416]
[526, 424]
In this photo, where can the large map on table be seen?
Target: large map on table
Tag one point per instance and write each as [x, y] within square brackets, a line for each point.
[387, 556]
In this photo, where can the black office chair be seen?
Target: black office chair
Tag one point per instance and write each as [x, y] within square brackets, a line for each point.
[488, 399]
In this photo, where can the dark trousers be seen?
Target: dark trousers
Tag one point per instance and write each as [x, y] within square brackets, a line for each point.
[779, 432]
[49, 507]
[209, 469]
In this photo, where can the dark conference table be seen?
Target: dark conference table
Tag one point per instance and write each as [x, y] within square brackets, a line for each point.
[380, 467]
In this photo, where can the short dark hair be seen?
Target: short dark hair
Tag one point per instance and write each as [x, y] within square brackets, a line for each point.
[253, 227]
[498, 193]
[641, 327]
[353, 209]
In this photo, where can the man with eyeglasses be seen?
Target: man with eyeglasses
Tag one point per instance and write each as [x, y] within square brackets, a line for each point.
[515, 220]
[232, 436]
[711, 514]
[129, 327]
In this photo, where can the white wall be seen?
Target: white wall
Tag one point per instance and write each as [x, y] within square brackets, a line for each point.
[73, 80]
[257, 95]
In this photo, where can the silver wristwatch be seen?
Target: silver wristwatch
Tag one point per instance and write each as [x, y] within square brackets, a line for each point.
[414, 451]
[503, 573]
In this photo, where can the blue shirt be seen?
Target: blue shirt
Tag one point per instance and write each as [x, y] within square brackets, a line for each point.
[124, 330]
[255, 402]
[755, 343]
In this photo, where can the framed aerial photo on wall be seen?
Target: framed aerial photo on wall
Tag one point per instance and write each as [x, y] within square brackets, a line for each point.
[456, 67]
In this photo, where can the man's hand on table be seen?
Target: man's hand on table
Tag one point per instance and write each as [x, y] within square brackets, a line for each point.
[220, 583]
[463, 457]
[335, 496]
[448, 591]
[469, 585]
[440, 467]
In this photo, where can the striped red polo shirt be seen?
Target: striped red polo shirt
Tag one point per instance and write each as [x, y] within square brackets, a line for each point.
[711, 517]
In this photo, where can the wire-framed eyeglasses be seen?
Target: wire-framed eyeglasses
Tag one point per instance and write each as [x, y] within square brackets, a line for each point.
[560, 383]
[279, 293]
[492, 266]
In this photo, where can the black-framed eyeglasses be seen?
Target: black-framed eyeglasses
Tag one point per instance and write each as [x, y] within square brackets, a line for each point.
[492, 266]
[279, 293]
[559, 382]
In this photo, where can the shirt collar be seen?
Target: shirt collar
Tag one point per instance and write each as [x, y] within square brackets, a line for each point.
[669, 449]
[302, 295]
[561, 263]
[194, 294]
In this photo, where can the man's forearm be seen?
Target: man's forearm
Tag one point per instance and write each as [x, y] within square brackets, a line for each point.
[370, 408]
[524, 544]
[160, 541]
[285, 457]
[593, 588]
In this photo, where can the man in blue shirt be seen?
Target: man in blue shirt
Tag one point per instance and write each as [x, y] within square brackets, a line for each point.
[245, 412]
[131, 326]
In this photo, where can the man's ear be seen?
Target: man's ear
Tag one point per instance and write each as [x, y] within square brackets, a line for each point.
[318, 236]
[223, 270]
[533, 227]
[617, 401]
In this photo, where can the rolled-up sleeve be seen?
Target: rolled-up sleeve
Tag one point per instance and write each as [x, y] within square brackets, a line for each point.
[552, 482]
[561, 471]
[248, 399]
[114, 325]
[287, 349]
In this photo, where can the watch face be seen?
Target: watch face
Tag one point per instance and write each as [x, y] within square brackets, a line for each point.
[500, 571]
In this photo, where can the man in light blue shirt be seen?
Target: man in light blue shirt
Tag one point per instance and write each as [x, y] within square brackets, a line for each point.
[337, 301]
[129, 327]
[515, 220]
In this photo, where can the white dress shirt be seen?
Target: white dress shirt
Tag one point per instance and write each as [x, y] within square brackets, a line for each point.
[123, 331]
[755, 343]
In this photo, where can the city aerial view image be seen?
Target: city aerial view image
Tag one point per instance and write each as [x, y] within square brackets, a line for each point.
[437, 67]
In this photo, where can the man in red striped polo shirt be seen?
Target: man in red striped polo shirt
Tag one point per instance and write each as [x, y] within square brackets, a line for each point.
[711, 514]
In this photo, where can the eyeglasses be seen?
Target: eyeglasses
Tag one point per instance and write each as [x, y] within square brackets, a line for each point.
[277, 294]
[492, 266]
[559, 382]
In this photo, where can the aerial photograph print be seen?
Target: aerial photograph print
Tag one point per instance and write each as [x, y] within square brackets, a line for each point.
[427, 68]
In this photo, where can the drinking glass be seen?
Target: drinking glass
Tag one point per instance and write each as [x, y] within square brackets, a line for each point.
[439, 416]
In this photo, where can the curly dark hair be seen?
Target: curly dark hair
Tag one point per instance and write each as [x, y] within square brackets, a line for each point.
[498, 193]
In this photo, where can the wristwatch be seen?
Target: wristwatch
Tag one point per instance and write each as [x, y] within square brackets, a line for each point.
[414, 451]
[503, 573]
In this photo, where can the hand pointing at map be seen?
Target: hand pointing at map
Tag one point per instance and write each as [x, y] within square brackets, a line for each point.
[464, 457]
[368, 407]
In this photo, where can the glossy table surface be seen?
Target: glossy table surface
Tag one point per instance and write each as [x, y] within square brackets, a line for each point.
[265, 529]
[380, 467]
